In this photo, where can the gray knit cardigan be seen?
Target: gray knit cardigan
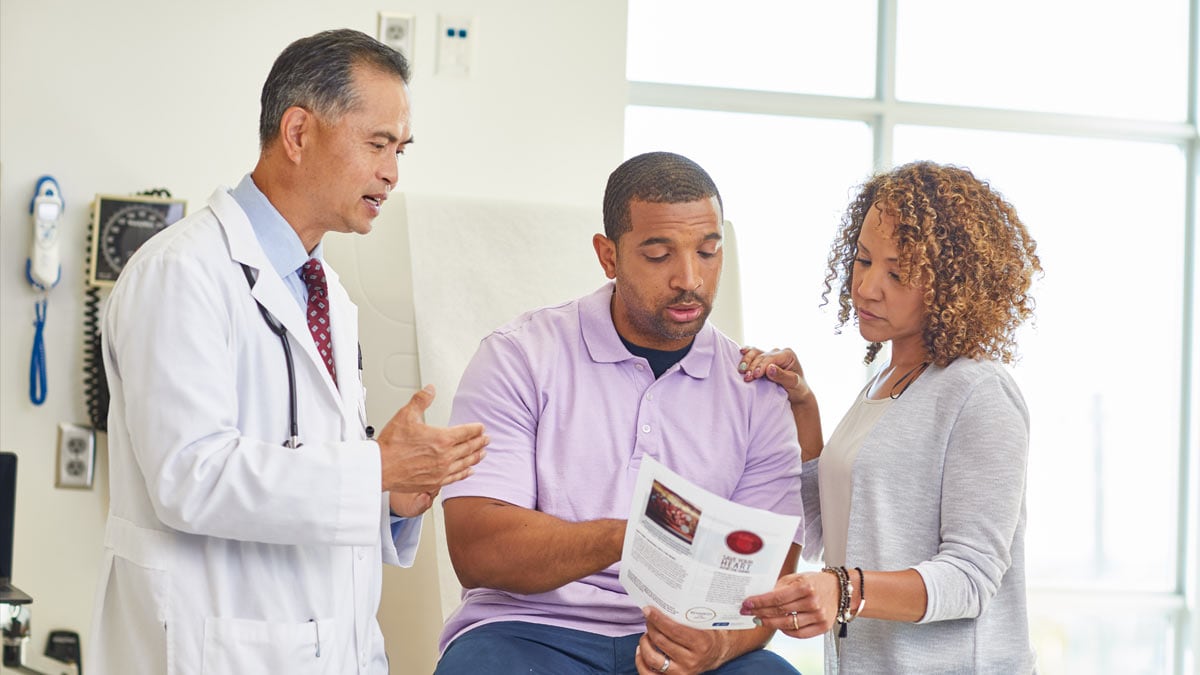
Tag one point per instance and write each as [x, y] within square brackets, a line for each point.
[939, 486]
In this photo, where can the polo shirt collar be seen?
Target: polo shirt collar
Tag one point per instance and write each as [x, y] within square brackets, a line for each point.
[604, 344]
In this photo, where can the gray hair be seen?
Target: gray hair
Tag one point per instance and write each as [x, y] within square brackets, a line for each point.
[316, 73]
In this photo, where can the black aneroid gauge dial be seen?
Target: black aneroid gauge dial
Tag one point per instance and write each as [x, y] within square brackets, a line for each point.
[123, 224]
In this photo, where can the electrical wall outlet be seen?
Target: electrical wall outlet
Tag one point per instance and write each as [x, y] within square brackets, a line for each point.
[396, 31]
[76, 456]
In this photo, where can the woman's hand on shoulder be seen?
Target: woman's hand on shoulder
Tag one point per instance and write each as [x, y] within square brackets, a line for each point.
[779, 366]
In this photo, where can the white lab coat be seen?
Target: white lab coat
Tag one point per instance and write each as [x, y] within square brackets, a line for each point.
[226, 552]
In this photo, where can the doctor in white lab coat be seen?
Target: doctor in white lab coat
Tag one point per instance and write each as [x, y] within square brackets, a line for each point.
[225, 551]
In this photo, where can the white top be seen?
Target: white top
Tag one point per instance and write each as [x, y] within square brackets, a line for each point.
[835, 469]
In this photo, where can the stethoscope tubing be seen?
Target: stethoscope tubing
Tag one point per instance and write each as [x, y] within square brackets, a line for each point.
[293, 440]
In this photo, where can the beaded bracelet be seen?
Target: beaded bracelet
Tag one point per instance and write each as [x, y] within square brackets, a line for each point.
[862, 591]
[846, 591]
[862, 596]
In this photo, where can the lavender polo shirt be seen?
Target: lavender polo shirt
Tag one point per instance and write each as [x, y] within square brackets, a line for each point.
[570, 414]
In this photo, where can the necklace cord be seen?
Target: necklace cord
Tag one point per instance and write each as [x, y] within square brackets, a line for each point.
[907, 379]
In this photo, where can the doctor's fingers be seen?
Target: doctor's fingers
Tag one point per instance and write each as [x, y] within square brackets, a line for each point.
[462, 433]
[421, 400]
[464, 466]
[420, 465]
[409, 423]
[413, 412]
[461, 443]
[454, 478]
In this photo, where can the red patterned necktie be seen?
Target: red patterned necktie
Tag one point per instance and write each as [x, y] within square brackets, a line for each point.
[318, 312]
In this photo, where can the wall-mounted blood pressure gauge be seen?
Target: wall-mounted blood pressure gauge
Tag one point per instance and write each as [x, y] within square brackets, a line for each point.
[122, 225]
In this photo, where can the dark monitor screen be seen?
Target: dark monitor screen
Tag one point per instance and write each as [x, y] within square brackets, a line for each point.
[8, 502]
[9, 594]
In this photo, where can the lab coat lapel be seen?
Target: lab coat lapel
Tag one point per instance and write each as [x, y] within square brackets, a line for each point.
[269, 288]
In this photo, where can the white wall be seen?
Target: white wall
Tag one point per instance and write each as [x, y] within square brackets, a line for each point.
[124, 95]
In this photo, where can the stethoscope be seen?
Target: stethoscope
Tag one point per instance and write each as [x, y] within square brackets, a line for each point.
[293, 439]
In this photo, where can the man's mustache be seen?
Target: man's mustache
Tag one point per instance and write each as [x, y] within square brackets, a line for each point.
[688, 297]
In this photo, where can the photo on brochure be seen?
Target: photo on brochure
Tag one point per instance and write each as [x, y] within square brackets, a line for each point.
[675, 514]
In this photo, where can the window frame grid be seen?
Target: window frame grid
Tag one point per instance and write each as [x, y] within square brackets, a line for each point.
[884, 112]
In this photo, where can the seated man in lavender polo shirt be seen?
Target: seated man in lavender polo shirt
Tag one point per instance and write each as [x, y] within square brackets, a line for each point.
[573, 397]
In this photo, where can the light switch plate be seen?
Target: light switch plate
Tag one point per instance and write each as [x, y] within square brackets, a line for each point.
[455, 45]
[76, 456]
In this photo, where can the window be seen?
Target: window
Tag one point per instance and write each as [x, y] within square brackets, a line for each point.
[764, 46]
[1079, 113]
[1084, 57]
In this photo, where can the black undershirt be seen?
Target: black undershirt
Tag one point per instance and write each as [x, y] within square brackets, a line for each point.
[659, 360]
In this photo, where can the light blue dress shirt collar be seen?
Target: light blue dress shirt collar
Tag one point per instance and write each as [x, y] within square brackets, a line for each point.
[279, 241]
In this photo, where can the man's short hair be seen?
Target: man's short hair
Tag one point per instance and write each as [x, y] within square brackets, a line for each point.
[655, 177]
[317, 73]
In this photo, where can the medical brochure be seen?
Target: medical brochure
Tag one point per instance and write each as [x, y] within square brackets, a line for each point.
[694, 555]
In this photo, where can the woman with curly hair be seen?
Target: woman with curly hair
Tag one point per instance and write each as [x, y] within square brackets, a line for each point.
[917, 502]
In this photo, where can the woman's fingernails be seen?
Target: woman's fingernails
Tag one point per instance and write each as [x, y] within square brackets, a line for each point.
[771, 369]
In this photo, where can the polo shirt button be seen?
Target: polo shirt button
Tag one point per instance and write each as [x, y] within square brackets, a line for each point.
[649, 397]
[645, 428]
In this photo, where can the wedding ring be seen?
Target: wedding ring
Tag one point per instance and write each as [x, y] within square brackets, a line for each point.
[666, 664]
[795, 622]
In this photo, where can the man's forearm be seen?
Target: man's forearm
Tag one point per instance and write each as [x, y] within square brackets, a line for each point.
[494, 544]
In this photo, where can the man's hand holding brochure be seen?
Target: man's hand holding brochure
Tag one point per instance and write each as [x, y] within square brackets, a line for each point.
[695, 556]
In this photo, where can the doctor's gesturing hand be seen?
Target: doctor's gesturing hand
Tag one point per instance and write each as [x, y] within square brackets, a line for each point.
[418, 459]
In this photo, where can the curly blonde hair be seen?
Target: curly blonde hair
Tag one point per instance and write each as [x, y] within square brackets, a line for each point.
[962, 242]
